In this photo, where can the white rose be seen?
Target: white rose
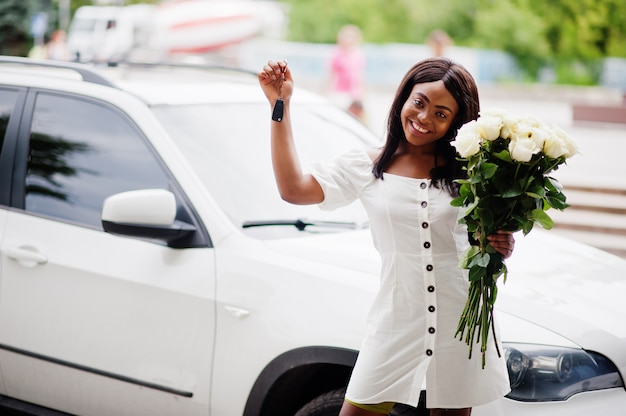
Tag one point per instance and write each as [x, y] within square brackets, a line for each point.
[494, 112]
[508, 124]
[522, 148]
[469, 128]
[554, 147]
[539, 134]
[506, 118]
[489, 126]
[529, 129]
[533, 121]
[571, 147]
[467, 142]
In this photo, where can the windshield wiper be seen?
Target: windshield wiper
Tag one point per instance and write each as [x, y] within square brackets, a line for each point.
[302, 224]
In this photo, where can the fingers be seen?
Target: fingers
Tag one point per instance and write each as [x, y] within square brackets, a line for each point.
[503, 242]
[273, 71]
[275, 79]
[276, 69]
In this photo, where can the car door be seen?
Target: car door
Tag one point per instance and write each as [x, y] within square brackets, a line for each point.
[11, 102]
[93, 323]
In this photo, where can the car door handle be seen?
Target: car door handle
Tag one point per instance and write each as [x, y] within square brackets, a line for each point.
[237, 312]
[26, 256]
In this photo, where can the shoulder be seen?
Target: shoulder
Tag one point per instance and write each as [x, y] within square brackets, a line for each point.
[355, 165]
[357, 159]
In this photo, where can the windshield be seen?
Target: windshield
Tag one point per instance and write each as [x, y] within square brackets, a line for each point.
[228, 145]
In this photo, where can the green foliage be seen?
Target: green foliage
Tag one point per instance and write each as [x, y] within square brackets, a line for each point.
[16, 15]
[319, 21]
[13, 27]
[568, 35]
[519, 31]
[454, 17]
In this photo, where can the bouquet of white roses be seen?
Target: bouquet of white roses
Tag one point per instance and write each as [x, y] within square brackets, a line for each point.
[508, 188]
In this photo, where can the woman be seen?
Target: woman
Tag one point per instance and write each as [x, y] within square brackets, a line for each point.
[406, 188]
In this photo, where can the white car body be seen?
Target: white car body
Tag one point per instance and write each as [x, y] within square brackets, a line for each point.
[97, 323]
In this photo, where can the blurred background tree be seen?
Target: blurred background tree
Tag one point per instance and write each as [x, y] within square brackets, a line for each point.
[14, 27]
[16, 17]
[567, 38]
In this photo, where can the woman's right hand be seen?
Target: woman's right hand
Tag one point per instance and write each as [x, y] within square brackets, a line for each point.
[276, 81]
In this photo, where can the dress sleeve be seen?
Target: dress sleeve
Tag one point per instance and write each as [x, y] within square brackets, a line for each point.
[343, 178]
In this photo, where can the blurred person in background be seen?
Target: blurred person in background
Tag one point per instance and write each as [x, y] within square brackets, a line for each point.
[346, 68]
[56, 48]
[39, 49]
[438, 41]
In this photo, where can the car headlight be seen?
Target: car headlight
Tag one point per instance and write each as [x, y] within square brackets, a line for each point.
[541, 373]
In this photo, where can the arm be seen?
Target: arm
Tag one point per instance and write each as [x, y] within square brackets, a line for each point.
[294, 186]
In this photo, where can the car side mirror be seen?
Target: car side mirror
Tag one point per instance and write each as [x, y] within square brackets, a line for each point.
[145, 213]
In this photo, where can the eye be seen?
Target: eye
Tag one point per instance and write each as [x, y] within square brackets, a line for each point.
[418, 102]
[442, 116]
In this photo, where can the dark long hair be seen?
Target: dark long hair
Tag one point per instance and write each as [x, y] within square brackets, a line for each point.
[462, 86]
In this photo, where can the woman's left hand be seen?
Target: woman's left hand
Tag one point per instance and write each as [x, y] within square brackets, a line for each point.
[503, 242]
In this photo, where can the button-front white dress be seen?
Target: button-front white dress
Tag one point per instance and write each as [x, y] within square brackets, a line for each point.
[413, 320]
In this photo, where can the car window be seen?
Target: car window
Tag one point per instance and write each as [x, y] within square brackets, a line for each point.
[8, 101]
[81, 152]
[8, 98]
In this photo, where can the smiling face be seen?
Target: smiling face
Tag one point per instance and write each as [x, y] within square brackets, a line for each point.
[428, 113]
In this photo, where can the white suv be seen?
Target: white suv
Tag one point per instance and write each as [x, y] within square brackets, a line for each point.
[149, 267]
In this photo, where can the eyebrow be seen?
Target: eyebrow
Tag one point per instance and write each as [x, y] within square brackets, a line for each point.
[425, 98]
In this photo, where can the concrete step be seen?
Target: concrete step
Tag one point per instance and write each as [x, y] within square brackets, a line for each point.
[585, 220]
[608, 201]
[596, 217]
[599, 113]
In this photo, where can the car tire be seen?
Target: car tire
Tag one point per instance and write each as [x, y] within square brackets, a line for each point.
[329, 404]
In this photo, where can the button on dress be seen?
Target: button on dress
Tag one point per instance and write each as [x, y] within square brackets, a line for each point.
[411, 325]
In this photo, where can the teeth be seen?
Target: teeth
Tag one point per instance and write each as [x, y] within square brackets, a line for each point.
[418, 128]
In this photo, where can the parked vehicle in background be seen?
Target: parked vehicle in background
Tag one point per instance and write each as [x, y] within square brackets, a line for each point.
[170, 29]
[109, 33]
[149, 267]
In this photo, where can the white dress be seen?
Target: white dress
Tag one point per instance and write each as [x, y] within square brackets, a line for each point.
[413, 320]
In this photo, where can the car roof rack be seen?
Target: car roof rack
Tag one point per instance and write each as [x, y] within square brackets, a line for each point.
[187, 65]
[87, 74]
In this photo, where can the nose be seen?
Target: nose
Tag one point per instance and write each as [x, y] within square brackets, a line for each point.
[423, 116]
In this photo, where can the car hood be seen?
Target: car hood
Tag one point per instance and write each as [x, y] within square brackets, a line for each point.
[570, 288]
[558, 291]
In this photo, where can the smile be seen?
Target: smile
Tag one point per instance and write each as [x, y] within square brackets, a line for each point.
[419, 128]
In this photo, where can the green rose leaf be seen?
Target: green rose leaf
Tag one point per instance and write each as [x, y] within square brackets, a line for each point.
[476, 273]
[512, 191]
[557, 200]
[552, 184]
[488, 170]
[458, 201]
[467, 257]
[543, 219]
[504, 155]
